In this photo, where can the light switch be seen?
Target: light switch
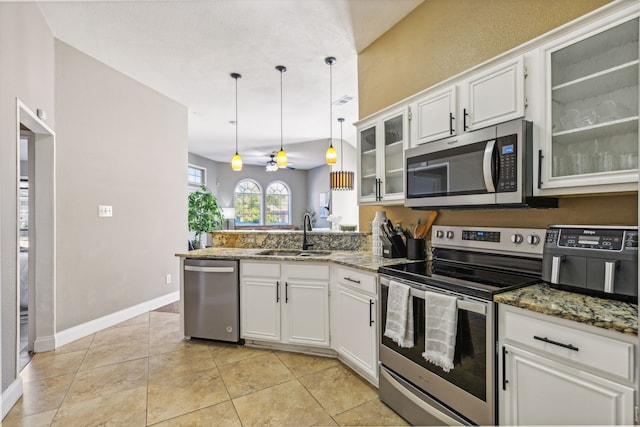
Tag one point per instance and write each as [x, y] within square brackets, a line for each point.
[105, 211]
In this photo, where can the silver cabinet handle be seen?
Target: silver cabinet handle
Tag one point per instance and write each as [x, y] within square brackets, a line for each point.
[351, 280]
[209, 269]
[555, 268]
[610, 275]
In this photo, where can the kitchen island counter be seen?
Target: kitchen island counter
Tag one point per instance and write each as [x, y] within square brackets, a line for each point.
[603, 313]
[356, 259]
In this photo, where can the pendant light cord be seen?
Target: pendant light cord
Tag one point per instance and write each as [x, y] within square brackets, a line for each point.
[236, 79]
[331, 102]
[341, 147]
[281, 71]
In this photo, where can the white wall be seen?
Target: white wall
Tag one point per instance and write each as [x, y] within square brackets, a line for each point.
[318, 182]
[125, 145]
[26, 72]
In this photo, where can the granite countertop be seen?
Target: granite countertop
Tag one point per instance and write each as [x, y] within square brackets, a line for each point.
[356, 259]
[603, 313]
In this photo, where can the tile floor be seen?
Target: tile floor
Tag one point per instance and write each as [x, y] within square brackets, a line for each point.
[141, 372]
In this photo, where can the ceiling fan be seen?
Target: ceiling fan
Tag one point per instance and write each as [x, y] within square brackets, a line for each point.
[272, 166]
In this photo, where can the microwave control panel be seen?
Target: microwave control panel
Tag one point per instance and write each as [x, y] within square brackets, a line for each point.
[508, 164]
[593, 238]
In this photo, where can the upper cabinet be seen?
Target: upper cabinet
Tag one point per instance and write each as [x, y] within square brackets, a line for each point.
[589, 134]
[381, 145]
[490, 96]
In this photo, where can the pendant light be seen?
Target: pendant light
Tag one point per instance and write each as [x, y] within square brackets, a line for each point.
[236, 161]
[281, 158]
[331, 156]
[341, 180]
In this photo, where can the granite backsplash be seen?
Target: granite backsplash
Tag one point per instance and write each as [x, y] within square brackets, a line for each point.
[285, 239]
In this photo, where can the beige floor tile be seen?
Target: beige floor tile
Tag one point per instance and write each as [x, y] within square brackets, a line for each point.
[166, 336]
[143, 319]
[256, 373]
[107, 380]
[118, 334]
[42, 419]
[178, 396]
[42, 396]
[338, 389]
[224, 353]
[125, 408]
[179, 363]
[158, 346]
[305, 364]
[115, 353]
[287, 404]
[160, 316]
[371, 413]
[79, 344]
[222, 414]
[52, 364]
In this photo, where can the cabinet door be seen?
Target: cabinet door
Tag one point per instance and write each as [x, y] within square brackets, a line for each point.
[540, 391]
[368, 163]
[307, 313]
[357, 329]
[395, 129]
[434, 117]
[590, 138]
[493, 96]
[260, 308]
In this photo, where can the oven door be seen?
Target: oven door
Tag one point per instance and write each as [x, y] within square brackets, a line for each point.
[468, 389]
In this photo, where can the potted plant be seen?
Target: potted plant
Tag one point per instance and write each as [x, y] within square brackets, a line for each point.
[204, 213]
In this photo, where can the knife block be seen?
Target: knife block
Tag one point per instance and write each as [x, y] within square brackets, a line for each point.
[397, 248]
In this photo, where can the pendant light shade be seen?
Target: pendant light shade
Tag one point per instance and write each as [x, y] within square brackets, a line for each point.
[281, 158]
[331, 155]
[341, 180]
[236, 160]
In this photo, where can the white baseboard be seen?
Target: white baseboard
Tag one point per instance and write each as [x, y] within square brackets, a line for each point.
[42, 344]
[10, 396]
[93, 326]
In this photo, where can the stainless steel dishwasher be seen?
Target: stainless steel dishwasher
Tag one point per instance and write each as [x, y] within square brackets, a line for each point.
[212, 299]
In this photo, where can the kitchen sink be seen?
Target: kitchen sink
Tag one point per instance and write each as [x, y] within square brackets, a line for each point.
[293, 253]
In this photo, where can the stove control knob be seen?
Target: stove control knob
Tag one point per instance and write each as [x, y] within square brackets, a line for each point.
[517, 238]
[533, 239]
[449, 234]
[439, 234]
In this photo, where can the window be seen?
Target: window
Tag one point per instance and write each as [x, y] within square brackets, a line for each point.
[248, 203]
[278, 204]
[196, 175]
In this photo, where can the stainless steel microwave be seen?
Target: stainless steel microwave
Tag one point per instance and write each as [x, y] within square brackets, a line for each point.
[486, 168]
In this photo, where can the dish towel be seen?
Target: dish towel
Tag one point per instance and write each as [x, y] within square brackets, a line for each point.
[399, 325]
[441, 319]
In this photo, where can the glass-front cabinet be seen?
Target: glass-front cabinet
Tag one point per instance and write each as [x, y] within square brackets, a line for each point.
[381, 145]
[590, 141]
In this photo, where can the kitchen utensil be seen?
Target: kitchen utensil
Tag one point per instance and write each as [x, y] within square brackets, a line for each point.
[430, 220]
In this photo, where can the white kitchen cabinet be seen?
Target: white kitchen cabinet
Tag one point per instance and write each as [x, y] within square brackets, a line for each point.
[589, 137]
[285, 302]
[381, 144]
[355, 320]
[556, 372]
[487, 97]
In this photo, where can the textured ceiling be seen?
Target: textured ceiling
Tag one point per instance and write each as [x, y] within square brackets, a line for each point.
[187, 49]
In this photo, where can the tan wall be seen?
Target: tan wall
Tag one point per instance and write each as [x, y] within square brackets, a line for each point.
[442, 38]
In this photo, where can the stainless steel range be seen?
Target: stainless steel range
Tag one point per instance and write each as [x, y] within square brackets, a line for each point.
[472, 264]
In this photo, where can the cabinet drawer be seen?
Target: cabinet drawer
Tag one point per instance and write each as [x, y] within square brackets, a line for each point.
[572, 345]
[357, 280]
[308, 271]
[260, 269]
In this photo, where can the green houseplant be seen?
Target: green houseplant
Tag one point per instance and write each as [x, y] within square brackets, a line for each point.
[204, 213]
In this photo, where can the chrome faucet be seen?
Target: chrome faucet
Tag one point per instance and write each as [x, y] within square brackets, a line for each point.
[306, 220]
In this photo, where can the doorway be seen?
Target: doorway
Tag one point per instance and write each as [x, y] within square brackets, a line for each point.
[35, 260]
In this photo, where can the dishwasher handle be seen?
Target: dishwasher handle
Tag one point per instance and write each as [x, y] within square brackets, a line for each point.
[209, 269]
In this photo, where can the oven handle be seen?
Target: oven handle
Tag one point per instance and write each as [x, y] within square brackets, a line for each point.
[475, 307]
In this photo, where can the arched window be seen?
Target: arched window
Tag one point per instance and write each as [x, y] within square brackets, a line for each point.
[278, 204]
[248, 203]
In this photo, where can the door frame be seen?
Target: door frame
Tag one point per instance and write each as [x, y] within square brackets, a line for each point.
[42, 257]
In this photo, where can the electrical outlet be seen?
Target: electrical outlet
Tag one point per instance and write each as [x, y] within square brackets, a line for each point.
[167, 279]
[105, 211]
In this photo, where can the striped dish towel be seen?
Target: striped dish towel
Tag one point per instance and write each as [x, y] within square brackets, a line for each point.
[441, 320]
[399, 325]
